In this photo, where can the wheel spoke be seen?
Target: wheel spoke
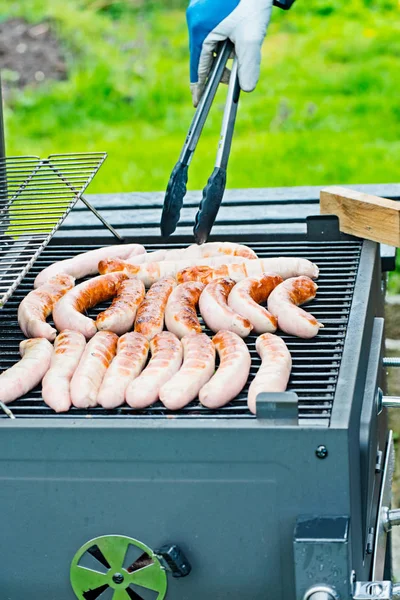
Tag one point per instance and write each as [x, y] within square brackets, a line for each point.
[151, 577]
[84, 579]
[114, 548]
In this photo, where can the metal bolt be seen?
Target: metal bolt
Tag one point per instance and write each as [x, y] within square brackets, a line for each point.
[118, 578]
[321, 452]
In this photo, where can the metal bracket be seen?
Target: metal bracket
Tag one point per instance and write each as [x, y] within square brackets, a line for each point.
[376, 590]
[323, 228]
[278, 409]
[384, 505]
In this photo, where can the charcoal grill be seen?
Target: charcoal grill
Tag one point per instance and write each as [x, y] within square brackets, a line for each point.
[291, 504]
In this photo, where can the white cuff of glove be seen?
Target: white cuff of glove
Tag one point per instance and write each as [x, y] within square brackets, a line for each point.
[246, 27]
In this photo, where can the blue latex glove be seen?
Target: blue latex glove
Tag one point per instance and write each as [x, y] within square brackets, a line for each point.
[244, 22]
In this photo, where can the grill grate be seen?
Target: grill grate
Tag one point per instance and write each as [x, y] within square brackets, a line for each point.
[316, 362]
[35, 197]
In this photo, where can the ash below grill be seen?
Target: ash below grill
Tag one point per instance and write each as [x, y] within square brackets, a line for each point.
[316, 362]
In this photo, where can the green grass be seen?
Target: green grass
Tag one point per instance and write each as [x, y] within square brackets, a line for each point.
[326, 110]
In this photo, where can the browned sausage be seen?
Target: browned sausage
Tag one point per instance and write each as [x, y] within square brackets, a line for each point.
[150, 314]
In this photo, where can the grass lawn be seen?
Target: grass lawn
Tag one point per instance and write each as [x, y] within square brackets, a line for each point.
[326, 109]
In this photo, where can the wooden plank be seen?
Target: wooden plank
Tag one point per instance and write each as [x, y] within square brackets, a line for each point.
[363, 215]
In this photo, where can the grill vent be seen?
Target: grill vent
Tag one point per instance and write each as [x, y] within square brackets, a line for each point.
[316, 362]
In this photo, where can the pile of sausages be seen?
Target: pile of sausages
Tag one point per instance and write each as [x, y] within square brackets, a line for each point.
[105, 361]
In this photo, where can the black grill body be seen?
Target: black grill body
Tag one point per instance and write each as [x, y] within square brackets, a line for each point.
[226, 486]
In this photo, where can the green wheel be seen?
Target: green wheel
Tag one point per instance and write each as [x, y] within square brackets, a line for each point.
[111, 552]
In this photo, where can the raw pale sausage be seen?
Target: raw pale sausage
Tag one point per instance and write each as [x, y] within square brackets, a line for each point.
[215, 310]
[180, 313]
[166, 358]
[86, 263]
[245, 299]
[38, 305]
[274, 373]
[197, 368]
[283, 303]
[120, 316]
[132, 351]
[95, 360]
[67, 312]
[194, 251]
[68, 349]
[28, 372]
[232, 373]
[151, 312]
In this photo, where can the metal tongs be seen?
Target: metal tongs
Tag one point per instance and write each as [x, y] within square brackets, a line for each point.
[214, 190]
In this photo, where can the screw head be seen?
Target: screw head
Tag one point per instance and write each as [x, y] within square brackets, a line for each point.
[321, 452]
[118, 578]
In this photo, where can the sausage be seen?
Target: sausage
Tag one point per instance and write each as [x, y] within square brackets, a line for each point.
[197, 368]
[28, 372]
[38, 305]
[180, 313]
[232, 373]
[285, 267]
[215, 310]
[132, 351]
[68, 349]
[150, 314]
[194, 251]
[85, 264]
[274, 372]
[245, 299]
[283, 303]
[120, 316]
[95, 360]
[67, 312]
[151, 272]
[166, 359]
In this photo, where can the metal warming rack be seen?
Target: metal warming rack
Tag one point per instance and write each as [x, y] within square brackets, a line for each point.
[36, 194]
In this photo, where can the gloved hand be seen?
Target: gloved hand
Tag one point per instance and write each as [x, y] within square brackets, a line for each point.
[244, 22]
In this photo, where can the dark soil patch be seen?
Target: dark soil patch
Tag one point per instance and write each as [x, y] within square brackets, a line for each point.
[29, 54]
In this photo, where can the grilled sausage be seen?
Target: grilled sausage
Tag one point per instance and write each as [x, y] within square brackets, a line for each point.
[180, 313]
[95, 360]
[150, 314]
[120, 316]
[132, 351]
[283, 303]
[215, 310]
[67, 312]
[245, 299]
[38, 305]
[285, 267]
[232, 373]
[166, 358]
[85, 264]
[197, 368]
[28, 372]
[194, 251]
[149, 273]
[68, 349]
[274, 373]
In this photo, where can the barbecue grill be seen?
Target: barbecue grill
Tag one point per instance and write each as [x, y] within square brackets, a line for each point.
[291, 504]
